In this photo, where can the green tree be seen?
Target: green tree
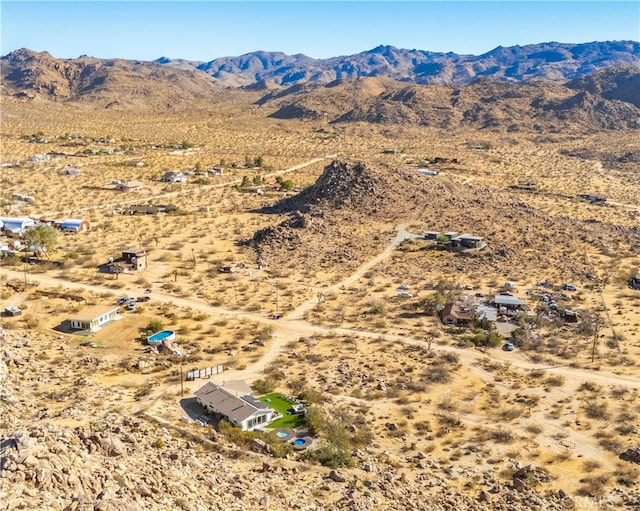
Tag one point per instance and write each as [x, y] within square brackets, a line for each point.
[287, 185]
[42, 239]
[258, 161]
[245, 182]
[155, 325]
[429, 304]
[198, 167]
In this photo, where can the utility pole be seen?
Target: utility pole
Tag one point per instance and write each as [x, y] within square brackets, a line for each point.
[181, 378]
[277, 307]
[595, 339]
[25, 275]
[193, 256]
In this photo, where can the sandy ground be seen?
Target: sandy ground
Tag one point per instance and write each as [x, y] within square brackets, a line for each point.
[552, 407]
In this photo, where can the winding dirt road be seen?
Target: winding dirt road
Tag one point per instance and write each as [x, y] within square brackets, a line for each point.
[292, 327]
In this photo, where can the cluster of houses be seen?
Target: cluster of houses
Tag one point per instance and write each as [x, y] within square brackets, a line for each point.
[19, 225]
[470, 312]
[453, 241]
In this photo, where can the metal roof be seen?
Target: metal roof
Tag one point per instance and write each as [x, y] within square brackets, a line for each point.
[507, 300]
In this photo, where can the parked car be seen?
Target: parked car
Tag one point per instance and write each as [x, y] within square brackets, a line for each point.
[143, 299]
[569, 287]
[124, 300]
[405, 294]
[131, 306]
[508, 346]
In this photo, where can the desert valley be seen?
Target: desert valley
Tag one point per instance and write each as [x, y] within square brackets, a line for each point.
[426, 293]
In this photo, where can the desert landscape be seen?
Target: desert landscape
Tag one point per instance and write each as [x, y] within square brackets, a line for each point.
[306, 240]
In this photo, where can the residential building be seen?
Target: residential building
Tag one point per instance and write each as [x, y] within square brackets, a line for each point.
[244, 412]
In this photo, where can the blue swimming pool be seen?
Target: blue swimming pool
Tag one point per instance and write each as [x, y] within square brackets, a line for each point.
[299, 441]
[158, 337]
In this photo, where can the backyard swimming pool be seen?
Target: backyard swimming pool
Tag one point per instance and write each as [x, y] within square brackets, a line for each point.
[158, 337]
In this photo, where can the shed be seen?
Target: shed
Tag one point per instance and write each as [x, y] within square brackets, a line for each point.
[470, 240]
[93, 318]
[12, 310]
[75, 225]
[431, 235]
[17, 225]
[510, 302]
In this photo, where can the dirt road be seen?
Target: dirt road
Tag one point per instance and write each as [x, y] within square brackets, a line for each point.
[292, 327]
[190, 191]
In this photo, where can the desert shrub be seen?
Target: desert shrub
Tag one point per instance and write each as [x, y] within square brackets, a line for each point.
[379, 308]
[316, 420]
[510, 413]
[534, 429]
[502, 436]
[265, 385]
[330, 456]
[596, 410]
[593, 486]
[236, 435]
[311, 395]
[555, 381]
[437, 375]
[590, 386]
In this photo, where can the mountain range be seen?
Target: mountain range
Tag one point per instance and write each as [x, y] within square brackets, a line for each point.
[552, 60]
[541, 87]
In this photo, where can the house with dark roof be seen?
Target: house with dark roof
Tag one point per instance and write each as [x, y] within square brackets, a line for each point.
[246, 412]
[456, 314]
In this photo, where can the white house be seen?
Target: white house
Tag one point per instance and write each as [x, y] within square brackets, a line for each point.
[17, 225]
[94, 318]
[244, 412]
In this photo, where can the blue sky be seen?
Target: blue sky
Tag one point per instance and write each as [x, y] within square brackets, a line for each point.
[204, 30]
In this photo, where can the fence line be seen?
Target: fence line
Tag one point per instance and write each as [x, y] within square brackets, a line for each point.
[207, 372]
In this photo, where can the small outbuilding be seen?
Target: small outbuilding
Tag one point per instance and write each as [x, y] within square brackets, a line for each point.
[75, 225]
[509, 302]
[17, 225]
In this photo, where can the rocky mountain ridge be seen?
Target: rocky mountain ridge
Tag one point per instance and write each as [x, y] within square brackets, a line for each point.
[550, 60]
[604, 100]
